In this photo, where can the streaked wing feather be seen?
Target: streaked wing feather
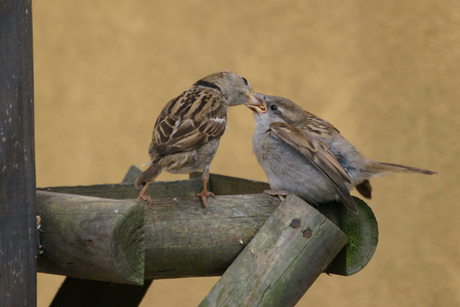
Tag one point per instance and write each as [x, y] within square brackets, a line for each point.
[189, 121]
[320, 156]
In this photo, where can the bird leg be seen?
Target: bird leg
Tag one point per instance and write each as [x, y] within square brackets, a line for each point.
[143, 194]
[205, 193]
[280, 193]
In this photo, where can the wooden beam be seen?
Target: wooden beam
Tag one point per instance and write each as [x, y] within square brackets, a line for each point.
[76, 292]
[182, 188]
[18, 232]
[178, 228]
[226, 185]
[93, 238]
[282, 260]
[183, 239]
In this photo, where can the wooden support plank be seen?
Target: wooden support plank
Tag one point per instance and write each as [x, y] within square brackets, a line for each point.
[282, 260]
[76, 292]
[226, 185]
[159, 189]
[89, 237]
[18, 232]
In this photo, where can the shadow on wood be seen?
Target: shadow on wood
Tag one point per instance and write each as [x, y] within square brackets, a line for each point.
[76, 292]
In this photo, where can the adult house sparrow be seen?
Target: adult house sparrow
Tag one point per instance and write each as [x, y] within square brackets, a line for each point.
[188, 130]
[307, 156]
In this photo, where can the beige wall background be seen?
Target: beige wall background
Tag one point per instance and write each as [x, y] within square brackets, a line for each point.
[385, 73]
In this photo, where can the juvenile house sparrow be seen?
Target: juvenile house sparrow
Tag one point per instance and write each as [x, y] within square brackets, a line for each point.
[307, 156]
[187, 132]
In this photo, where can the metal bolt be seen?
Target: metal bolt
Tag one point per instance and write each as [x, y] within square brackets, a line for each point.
[307, 233]
[295, 223]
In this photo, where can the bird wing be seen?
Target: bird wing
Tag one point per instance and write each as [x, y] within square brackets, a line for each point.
[189, 121]
[320, 156]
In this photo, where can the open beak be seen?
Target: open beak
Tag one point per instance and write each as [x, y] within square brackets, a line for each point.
[256, 103]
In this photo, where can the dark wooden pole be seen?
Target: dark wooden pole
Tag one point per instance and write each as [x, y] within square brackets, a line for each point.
[18, 232]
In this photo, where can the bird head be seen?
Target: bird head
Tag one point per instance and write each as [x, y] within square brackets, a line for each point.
[235, 88]
[273, 109]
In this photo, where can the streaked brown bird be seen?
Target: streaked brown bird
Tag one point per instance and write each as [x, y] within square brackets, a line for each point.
[188, 130]
[307, 156]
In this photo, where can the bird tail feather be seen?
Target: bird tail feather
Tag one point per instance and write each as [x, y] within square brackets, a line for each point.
[149, 175]
[381, 167]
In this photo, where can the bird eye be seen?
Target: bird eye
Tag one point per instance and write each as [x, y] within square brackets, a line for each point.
[273, 108]
[245, 81]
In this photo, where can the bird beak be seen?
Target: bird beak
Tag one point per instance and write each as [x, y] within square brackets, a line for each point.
[256, 102]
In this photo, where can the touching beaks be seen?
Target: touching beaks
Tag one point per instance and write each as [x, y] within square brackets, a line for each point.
[256, 102]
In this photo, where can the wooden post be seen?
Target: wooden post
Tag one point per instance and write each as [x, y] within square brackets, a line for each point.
[18, 229]
[282, 261]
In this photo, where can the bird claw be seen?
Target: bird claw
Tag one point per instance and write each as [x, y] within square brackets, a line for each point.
[204, 195]
[146, 198]
[280, 193]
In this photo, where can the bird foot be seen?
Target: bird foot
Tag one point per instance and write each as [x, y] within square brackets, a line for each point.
[204, 195]
[143, 194]
[280, 193]
[145, 197]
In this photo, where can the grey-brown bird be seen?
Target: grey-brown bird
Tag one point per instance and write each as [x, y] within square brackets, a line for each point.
[307, 156]
[188, 130]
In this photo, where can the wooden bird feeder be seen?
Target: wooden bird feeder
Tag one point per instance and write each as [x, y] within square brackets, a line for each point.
[111, 245]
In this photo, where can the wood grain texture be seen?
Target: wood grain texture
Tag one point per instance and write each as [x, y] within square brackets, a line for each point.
[282, 260]
[92, 238]
[363, 234]
[178, 227]
[183, 239]
[157, 189]
[18, 232]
